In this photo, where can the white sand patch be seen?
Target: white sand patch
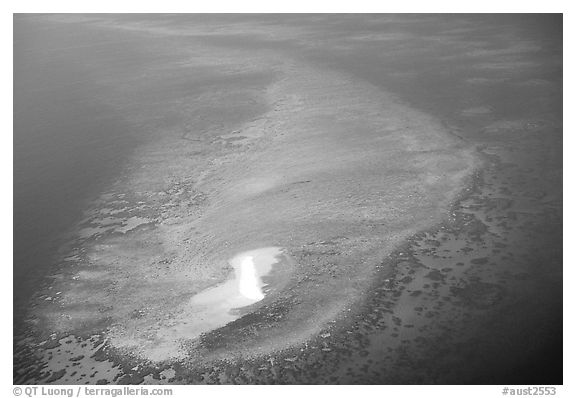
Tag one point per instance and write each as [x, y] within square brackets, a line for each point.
[217, 306]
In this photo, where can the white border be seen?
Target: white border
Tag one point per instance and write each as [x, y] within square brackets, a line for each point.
[243, 6]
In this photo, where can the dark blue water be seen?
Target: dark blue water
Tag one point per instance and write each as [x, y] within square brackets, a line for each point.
[68, 142]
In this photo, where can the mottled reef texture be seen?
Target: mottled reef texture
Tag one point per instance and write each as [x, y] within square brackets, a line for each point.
[421, 208]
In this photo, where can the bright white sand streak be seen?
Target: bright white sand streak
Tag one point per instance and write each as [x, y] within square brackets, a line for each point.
[218, 305]
[249, 283]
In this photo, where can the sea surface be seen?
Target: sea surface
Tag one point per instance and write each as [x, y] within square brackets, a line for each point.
[121, 107]
[67, 142]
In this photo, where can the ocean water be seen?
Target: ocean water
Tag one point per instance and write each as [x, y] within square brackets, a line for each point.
[67, 141]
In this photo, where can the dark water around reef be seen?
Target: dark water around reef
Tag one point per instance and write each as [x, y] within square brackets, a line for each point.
[66, 141]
